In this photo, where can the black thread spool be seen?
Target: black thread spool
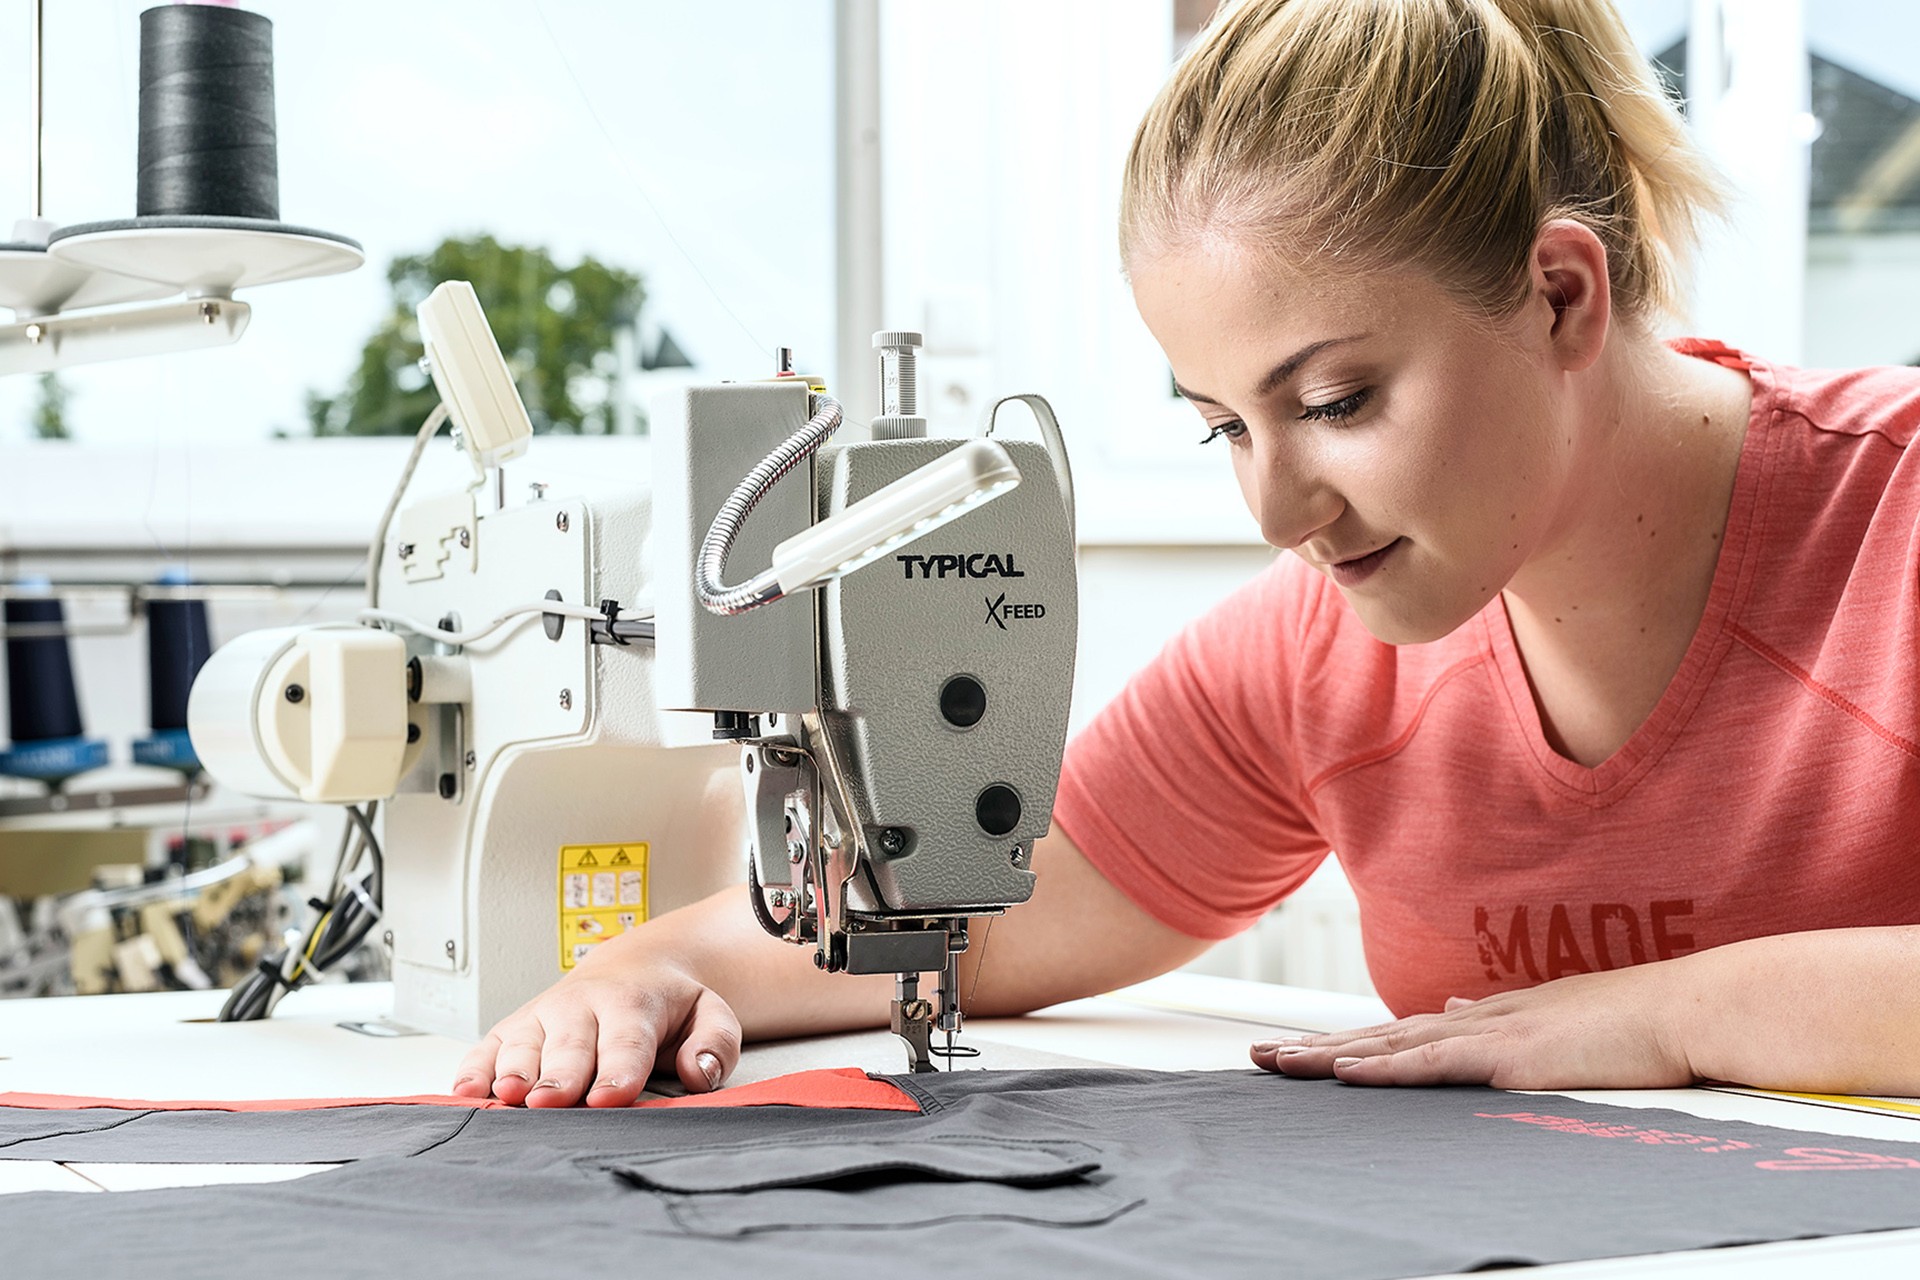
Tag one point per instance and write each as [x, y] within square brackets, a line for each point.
[178, 642]
[207, 145]
[42, 703]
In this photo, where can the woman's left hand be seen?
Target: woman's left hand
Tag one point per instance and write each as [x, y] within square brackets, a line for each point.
[1612, 1030]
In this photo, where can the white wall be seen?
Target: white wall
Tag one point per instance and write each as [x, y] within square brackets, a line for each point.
[1860, 291]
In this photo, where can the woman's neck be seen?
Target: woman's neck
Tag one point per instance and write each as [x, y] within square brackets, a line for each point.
[1604, 611]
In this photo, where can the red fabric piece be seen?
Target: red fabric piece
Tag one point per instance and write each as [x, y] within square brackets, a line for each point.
[1772, 790]
[842, 1088]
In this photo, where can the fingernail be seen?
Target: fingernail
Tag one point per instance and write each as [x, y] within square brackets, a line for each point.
[1271, 1046]
[598, 1085]
[548, 1084]
[1292, 1049]
[710, 1068]
[1342, 1063]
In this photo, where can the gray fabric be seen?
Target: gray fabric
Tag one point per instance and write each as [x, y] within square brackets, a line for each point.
[18, 1127]
[761, 1166]
[331, 1136]
[1215, 1173]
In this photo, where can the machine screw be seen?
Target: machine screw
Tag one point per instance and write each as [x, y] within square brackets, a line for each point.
[566, 699]
[406, 550]
[466, 538]
[537, 491]
[35, 333]
[209, 311]
[386, 938]
[469, 760]
[561, 522]
[796, 852]
[451, 949]
[1017, 856]
[295, 693]
[892, 841]
[783, 899]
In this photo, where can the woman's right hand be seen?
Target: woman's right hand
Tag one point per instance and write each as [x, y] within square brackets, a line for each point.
[651, 995]
[599, 1033]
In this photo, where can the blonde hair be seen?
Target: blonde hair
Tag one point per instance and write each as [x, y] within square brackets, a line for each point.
[1438, 133]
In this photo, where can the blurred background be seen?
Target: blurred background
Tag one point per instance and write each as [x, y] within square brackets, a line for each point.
[645, 196]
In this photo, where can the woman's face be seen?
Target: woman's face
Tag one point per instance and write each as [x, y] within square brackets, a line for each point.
[1402, 446]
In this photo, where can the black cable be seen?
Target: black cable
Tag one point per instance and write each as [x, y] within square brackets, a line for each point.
[622, 632]
[340, 925]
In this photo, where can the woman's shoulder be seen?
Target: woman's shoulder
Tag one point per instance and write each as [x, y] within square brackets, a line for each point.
[1878, 401]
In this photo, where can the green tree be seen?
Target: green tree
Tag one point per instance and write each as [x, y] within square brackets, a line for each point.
[555, 326]
[50, 413]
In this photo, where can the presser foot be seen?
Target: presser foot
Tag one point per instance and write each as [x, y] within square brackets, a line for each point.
[913, 1022]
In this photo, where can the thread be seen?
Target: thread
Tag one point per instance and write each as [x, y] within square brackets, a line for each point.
[178, 644]
[42, 702]
[207, 145]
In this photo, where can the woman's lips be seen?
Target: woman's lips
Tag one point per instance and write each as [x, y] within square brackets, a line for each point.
[1351, 573]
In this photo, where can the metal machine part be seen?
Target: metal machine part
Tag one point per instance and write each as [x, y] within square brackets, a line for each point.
[904, 797]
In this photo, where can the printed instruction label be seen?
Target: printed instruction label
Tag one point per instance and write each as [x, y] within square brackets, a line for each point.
[603, 892]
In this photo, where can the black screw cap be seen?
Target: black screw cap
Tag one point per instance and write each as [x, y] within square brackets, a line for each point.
[998, 809]
[962, 702]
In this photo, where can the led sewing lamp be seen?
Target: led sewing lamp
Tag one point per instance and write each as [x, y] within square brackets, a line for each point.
[915, 505]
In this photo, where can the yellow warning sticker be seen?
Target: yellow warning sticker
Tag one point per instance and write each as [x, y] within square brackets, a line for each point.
[603, 892]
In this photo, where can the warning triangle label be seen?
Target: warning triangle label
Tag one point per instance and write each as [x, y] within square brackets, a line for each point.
[588, 860]
[621, 859]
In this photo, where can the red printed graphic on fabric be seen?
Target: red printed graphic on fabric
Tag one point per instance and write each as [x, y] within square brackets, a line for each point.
[1817, 1158]
[840, 1088]
[1651, 1137]
[1553, 941]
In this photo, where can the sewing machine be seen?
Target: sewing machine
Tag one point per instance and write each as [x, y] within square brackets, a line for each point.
[543, 781]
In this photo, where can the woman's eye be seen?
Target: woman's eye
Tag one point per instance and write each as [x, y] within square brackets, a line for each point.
[1231, 430]
[1337, 410]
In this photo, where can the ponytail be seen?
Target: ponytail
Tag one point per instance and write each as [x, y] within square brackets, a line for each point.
[1438, 133]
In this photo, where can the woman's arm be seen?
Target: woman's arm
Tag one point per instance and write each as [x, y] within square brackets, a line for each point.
[687, 988]
[1834, 1011]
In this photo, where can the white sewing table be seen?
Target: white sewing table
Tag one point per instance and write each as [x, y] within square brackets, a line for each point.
[166, 1046]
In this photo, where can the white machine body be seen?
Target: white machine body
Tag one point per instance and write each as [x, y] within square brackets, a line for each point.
[899, 731]
[558, 745]
[305, 713]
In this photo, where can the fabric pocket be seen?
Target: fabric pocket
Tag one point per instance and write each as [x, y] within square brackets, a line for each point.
[876, 1184]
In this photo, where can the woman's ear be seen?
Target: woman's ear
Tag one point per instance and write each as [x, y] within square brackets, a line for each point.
[1572, 297]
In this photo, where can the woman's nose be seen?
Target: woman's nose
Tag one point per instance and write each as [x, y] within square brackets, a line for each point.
[1289, 500]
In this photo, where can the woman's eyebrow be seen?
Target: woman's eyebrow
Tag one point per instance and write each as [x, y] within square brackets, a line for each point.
[1280, 372]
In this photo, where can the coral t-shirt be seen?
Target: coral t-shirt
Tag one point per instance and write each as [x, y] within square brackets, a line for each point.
[1774, 789]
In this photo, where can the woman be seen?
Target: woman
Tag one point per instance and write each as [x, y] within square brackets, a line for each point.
[1596, 658]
